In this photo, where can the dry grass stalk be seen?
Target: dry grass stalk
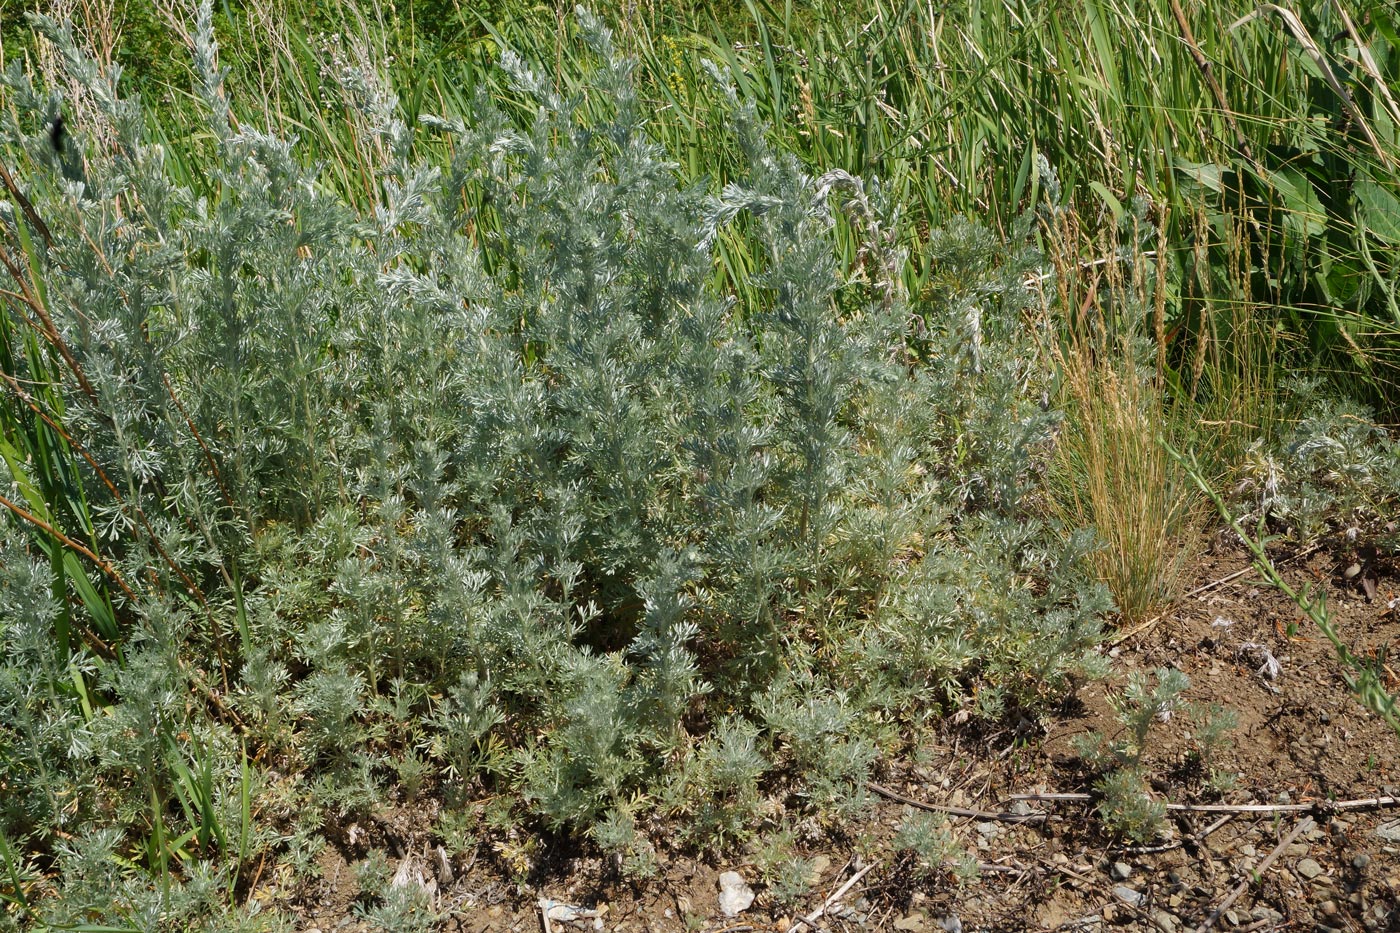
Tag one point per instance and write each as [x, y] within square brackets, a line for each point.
[1115, 474]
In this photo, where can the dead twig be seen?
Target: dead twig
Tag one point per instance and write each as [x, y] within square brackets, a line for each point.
[1208, 75]
[956, 811]
[1243, 886]
[1206, 588]
[1316, 806]
[811, 919]
[25, 206]
[107, 569]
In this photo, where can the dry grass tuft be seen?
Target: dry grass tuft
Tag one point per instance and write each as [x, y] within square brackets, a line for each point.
[1112, 471]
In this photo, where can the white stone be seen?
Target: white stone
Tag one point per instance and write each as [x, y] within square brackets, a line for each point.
[735, 896]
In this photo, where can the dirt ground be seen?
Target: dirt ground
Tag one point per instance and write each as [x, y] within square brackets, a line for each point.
[1307, 858]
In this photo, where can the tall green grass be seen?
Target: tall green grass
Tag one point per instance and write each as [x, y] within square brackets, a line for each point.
[1266, 145]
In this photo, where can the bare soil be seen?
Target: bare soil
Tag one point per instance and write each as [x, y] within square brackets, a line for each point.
[1302, 741]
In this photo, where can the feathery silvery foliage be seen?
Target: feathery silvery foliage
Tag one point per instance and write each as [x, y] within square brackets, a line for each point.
[494, 471]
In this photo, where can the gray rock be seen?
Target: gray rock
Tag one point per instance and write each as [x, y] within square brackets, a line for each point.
[1128, 896]
[1361, 862]
[1309, 868]
[951, 924]
[1121, 871]
[1389, 832]
[735, 896]
[1165, 921]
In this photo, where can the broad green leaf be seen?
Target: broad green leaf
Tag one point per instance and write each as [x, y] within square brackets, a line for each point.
[1305, 212]
[1114, 205]
[1206, 174]
[1380, 209]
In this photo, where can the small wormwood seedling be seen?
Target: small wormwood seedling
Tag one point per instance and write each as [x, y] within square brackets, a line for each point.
[1126, 806]
[927, 838]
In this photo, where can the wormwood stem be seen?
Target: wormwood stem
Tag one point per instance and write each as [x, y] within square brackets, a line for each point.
[102, 565]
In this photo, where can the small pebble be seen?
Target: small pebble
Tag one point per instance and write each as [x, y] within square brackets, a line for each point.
[1361, 862]
[1128, 896]
[1309, 868]
[1121, 871]
[1165, 921]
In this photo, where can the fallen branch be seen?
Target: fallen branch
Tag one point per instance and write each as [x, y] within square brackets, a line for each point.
[1243, 886]
[811, 919]
[956, 811]
[1316, 806]
[25, 205]
[1206, 588]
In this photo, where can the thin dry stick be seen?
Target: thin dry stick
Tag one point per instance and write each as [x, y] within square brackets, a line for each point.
[1203, 65]
[1368, 62]
[208, 455]
[1317, 806]
[1243, 886]
[1197, 838]
[1201, 836]
[956, 811]
[107, 569]
[28, 400]
[811, 919]
[25, 205]
[48, 330]
[1206, 588]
